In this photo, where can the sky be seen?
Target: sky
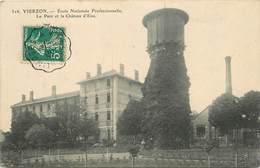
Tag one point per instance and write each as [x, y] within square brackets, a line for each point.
[215, 29]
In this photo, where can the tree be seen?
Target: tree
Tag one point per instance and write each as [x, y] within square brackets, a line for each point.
[250, 109]
[88, 128]
[130, 122]
[68, 117]
[52, 123]
[19, 126]
[225, 113]
[39, 136]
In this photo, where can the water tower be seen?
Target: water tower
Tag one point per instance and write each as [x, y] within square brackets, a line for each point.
[166, 87]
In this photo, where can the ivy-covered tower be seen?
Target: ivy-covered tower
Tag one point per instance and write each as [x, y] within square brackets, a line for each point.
[166, 87]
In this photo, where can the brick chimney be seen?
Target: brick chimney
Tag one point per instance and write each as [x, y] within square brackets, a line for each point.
[31, 95]
[53, 90]
[99, 69]
[136, 75]
[88, 75]
[23, 98]
[228, 75]
[122, 69]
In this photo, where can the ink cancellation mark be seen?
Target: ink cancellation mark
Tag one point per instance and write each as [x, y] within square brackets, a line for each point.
[46, 48]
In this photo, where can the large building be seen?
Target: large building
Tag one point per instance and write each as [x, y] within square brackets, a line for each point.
[45, 106]
[106, 95]
[103, 96]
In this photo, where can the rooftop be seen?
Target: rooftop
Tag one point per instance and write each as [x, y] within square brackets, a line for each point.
[108, 74]
[46, 99]
[172, 11]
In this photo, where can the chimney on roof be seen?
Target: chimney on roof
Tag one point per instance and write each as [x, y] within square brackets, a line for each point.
[136, 75]
[31, 95]
[99, 69]
[88, 75]
[53, 90]
[23, 98]
[228, 75]
[122, 69]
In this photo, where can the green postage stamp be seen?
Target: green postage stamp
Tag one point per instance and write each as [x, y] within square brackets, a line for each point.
[45, 47]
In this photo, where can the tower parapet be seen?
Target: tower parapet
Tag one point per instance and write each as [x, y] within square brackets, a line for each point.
[165, 25]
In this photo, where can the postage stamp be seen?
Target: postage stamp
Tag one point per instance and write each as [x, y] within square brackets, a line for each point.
[45, 47]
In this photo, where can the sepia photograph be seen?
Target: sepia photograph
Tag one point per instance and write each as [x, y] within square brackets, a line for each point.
[129, 84]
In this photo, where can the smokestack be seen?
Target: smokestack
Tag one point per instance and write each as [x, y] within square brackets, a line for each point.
[228, 75]
[99, 69]
[23, 97]
[122, 69]
[88, 75]
[53, 90]
[31, 95]
[136, 75]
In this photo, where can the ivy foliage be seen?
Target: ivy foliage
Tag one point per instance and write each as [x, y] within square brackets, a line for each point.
[131, 120]
[166, 98]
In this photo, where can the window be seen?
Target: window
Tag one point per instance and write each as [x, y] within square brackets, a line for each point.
[33, 108]
[108, 115]
[95, 85]
[108, 83]
[41, 108]
[108, 97]
[86, 100]
[49, 106]
[108, 134]
[96, 99]
[201, 131]
[85, 89]
[96, 116]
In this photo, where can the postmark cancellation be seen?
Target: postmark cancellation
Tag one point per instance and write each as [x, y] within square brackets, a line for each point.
[46, 48]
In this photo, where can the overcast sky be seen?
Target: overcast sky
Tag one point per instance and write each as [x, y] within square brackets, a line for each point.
[215, 29]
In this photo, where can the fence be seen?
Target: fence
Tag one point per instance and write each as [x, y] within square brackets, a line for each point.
[217, 158]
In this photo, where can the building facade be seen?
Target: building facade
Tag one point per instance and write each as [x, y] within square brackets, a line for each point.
[106, 95]
[45, 106]
[103, 97]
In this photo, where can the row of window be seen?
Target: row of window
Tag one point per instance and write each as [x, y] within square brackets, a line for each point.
[108, 98]
[49, 105]
[41, 108]
[108, 116]
[108, 83]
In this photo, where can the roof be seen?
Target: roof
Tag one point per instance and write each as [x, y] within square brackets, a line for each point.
[108, 74]
[48, 98]
[203, 111]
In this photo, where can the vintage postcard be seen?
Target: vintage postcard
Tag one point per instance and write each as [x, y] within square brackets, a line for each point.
[128, 83]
